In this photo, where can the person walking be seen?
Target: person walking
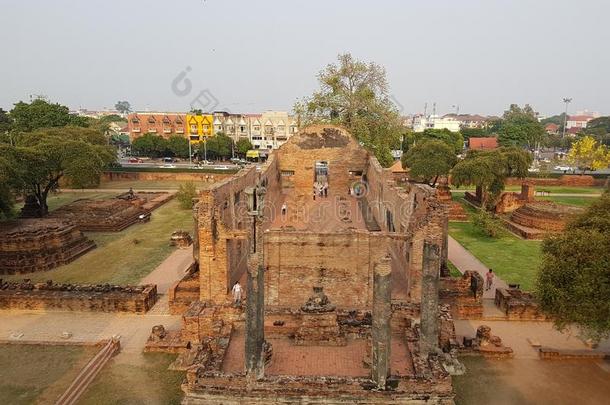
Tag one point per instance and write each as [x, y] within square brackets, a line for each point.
[284, 209]
[236, 291]
[489, 279]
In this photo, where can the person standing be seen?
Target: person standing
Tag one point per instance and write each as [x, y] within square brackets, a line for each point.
[284, 209]
[236, 291]
[474, 286]
[489, 279]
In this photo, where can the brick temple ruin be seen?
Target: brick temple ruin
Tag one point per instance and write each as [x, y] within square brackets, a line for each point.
[341, 268]
[111, 215]
[29, 245]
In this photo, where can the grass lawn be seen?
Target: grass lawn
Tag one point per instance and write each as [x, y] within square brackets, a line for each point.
[56, 200]
[123, 257]
[568, 200]
[37, 373]
[453, 271]
[149, 184]
[145, 380]
[512, 259]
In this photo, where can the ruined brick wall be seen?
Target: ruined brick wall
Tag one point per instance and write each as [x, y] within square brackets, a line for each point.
[30, 245]
[341, 262]
[345, 157]
[565, 180]
[410, 209]
[154, 176]
[544, 215]
[518, 305]
[70, 297]
[456, 292]
[225, 228]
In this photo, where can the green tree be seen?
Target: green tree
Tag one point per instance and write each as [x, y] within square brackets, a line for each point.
[6, 197]
[42, 114]
[123, 107]
[489, 170]
[429, 160]
[243, 146]
[6, 126]
[151, 145]
[185, 195]
[520, 127]
[354, 94]
[44, 157]
[453, 139]
[219, 146]
[573, 283]
[179, 146]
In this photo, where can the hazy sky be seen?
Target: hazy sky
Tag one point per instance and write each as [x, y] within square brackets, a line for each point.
[258, 55]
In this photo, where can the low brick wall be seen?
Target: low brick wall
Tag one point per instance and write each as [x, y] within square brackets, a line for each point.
[153, 176]
[456, 292]
[518, 305]
[547, 353]
[565, 180]
[70, 297]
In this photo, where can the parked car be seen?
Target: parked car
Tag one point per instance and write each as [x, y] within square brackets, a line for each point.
[134, 160]
[169, 160]
[563, 168]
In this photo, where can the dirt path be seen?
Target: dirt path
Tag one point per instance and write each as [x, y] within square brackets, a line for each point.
[464, 260]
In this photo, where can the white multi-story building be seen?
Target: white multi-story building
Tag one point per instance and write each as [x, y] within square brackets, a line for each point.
[268, 130]
[581, 119]
[421, 123]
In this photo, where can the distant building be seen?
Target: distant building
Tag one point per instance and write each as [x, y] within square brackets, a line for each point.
[486, 143]
[551, 128]
[268, 130]
[421, 123]
[579, 121]
[164, 124]
[469, 120]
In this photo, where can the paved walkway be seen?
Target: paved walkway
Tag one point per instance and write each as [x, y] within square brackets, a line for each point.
[172, 269]
[464, 260]
[515, 334]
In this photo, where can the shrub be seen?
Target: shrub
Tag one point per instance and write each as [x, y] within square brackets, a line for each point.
[186, 194]
[487, 224]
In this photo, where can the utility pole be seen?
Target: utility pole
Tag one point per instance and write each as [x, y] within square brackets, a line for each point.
[565, 117]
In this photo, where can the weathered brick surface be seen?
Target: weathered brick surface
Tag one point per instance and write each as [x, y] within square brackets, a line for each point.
[69, 297]
[518, 305]
[29, 245]
[544, 215]
[153, 176]
[456, 292]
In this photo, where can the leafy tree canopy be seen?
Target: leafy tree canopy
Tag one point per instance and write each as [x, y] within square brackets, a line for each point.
[489, 170]
[123, 107]
[587, 154]
[42, 114]
[218, 147]
[430, 159]
[520, 127]
[243, 146]
[151, 145]
[573, 284]
[354, 94]
[42, 158]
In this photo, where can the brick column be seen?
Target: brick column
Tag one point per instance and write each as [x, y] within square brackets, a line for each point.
[255, 319]
[429, 301]
[381, 332]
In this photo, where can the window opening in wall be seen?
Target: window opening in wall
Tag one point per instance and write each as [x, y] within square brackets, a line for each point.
[321, 181]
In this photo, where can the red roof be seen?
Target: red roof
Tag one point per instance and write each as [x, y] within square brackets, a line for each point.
[483, 143]
[574, 130]
[551, 127]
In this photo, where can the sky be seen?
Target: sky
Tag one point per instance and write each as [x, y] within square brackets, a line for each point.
[250, 56]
